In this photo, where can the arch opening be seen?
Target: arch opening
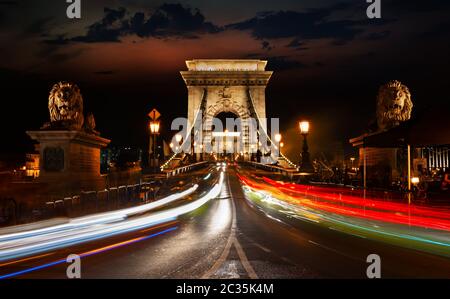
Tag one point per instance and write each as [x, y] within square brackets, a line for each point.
[227, 136]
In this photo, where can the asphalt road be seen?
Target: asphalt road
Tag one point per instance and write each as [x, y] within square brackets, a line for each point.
[229, 238]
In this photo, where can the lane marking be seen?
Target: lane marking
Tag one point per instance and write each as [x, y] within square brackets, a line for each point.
[251, 272]
[262, 247]
[334, 250]
[232, 240]
[341, 231]
[227, 248]
[221, 259]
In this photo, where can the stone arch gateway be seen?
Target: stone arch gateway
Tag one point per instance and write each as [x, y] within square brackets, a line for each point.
[227, 85]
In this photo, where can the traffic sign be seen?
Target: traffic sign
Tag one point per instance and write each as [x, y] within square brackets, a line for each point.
[154, 114]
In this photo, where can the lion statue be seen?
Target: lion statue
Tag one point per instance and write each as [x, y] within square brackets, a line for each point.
[394, 105]
[65, 104]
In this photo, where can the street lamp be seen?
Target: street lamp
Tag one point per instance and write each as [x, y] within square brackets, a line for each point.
[178, 137]
[154, 132]
[278, 138]
[277, 145]
[304, 127]
[415, 181]
[306, 166]
[154, 127]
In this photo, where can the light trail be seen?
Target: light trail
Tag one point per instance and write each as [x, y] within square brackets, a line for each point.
[373, 211]
[26, 259]
[331, 195]
[38, 243]
[101, 218]
[89, 253]
[423, 232]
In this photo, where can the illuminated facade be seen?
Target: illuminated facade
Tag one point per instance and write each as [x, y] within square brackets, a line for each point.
[226, 85]
[436, 157]
[32, 165]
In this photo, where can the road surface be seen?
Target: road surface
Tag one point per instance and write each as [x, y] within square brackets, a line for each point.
[229, 238]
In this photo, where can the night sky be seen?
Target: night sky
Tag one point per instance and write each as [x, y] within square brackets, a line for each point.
[328, 60]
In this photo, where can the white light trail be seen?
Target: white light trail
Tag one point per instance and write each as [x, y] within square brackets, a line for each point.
[101, 218]
[55, 239]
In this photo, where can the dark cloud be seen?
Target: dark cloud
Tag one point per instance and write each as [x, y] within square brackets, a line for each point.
[283, 63]
[265, 45]
[168, 20]
[378, 35]
[56, 41]
[176, 20]
[39, 26]
[171, 20]
[421, 6]
[109, 29]
[297, 45]
[307, 25]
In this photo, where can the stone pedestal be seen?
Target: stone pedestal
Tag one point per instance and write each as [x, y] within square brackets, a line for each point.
[70, 160]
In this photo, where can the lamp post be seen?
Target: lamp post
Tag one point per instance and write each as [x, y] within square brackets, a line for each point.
[154, 132]
[278, 138]
[178, 139]
[306, 166]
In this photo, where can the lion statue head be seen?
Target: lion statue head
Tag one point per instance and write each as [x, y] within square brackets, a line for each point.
[394, 105]
[65, 105]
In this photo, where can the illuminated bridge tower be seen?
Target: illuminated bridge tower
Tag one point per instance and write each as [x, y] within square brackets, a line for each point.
[231, 86]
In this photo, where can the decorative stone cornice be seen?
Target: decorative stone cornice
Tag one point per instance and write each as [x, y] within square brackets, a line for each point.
[209, 78]
[73, 136]
[226, 65]
[226, 72]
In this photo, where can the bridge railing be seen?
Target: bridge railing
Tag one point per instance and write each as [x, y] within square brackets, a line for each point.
[184, 169]
[287, 172]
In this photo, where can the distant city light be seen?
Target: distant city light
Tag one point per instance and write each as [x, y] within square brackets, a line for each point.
[415, 180]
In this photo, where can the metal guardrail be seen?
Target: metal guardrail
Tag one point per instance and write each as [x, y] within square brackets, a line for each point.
[184, 169]
[287, 172]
